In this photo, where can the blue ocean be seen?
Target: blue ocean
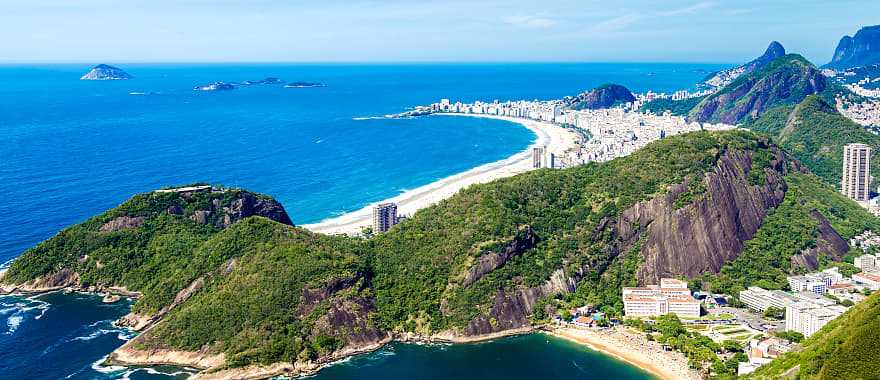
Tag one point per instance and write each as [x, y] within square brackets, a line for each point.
[70, 149]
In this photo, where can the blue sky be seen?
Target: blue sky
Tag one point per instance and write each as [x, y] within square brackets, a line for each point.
[392, 31]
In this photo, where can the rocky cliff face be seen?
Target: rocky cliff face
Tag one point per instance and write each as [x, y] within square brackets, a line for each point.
[105, 72]
[676, 240]
[788, 80]
[706, 234]
[604, 96]
[862, 49]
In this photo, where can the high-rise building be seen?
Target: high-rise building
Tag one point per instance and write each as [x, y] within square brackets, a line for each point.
[384, 216]
[537, 157]
[856, 171]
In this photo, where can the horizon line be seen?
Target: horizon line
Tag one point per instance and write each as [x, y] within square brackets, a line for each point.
[354, 62]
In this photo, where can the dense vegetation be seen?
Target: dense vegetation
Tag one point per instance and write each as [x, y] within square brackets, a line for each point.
[157, 256]
[676, 107]
[266, 292]
[787, 80]
[846, 348]
[420, 265]
[788, 230]
[815, 133]
[255, 313]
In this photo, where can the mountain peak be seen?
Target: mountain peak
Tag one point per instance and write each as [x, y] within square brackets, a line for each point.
[861, 49]
[725, 77]
[775, 50]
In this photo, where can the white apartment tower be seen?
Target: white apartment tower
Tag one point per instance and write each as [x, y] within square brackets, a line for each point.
[384, 216]
[538, 157]
[856, 171]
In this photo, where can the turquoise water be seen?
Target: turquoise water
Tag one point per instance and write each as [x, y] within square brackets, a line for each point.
[70, 149]
[533, 356]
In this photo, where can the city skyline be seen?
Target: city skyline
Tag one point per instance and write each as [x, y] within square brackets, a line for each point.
[448, 31]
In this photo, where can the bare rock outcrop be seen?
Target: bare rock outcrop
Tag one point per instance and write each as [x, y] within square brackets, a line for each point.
[524, 240]
[709, 232]
[121, 223]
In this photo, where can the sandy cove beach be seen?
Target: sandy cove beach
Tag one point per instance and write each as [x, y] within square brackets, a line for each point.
[631, 347]
[556, 138]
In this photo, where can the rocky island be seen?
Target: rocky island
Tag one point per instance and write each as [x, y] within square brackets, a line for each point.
[105, 72]
[304, 85]
[216, 86]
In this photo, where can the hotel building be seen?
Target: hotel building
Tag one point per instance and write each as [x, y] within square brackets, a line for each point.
[384, 217]
[672, 296]
[856, 171]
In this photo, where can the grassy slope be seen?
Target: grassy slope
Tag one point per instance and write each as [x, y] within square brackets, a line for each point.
[846, 348]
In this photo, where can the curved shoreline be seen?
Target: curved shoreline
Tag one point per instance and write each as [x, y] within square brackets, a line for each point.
[617, 343]
[556, 138]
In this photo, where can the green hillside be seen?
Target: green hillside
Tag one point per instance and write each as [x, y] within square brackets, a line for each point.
[494, 257]
[815, 133]
[846, 348]
[784, 81]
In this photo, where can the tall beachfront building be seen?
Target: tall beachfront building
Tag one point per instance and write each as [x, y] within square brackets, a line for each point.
[856, 171]
[384, 216]
[538, 157]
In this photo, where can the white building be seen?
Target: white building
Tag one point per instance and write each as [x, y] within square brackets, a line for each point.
[866, 262]
[856, 172]
[760, 299]
[870, 280]
[672, 296]
[807, 318]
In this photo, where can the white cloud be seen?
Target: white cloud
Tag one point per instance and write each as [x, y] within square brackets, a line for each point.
[532, 22]
[615, 24]
[689, 10]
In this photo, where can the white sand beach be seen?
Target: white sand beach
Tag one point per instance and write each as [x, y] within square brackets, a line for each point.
[555, 138]
[632, 347]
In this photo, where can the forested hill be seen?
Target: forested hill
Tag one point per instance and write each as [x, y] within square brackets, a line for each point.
[784, 81]
[815, 133]
[492, 258]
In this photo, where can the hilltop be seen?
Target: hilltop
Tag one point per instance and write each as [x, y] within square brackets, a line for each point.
[862, 49]
[604, 96]
[724, 77]
[785, 80]
[226, 286]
